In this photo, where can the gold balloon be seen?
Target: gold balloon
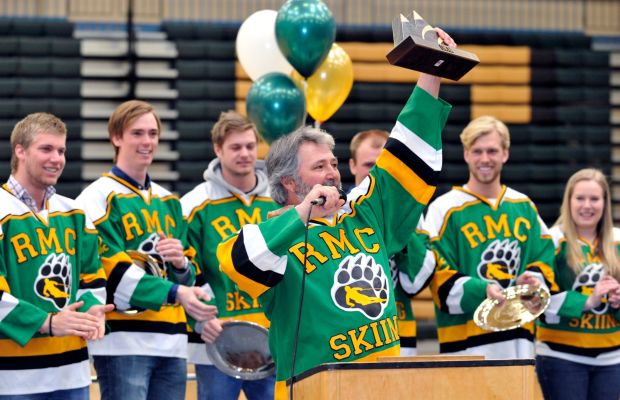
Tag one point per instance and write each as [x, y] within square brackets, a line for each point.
[262, 149]
[328, 88]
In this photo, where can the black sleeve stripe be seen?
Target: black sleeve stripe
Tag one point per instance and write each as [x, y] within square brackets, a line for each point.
[201, 279]
[415, 163]
[115, 279]
[245, 267]
[408, 342]
[97, 283]
[444, 291]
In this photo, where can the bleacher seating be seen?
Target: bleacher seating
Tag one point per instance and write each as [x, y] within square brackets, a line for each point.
[40, 71]
[551, 89]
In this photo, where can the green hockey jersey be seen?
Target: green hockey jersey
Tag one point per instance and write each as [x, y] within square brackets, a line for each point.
[349, 311]
[412, 270]
[48, 260]
[215, 210]
[477, 242]
[128, 218]
[591, 337]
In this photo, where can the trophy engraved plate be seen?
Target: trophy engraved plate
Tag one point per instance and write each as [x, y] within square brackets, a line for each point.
[417, 46]
[242, 351]
[523, 304]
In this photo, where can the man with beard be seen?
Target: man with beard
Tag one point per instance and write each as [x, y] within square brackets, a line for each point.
[348, 312]
[235, 192]
[486, 237]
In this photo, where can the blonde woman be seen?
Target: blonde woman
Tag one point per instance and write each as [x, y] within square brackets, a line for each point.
[578, 340]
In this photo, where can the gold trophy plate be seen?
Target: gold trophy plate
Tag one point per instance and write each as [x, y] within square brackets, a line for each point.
[148, 263]
[523, 304]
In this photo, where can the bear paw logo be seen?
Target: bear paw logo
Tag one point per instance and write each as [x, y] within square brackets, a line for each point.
[54, 280]
[587, 279]
[500, 262]
[148, 247]
[361, 285]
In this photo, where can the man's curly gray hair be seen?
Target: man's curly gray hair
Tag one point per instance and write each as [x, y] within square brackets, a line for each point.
[283, 159]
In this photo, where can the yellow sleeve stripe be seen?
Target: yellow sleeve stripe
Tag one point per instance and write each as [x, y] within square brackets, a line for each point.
[407, 328]
[4, 285]
[412, 183]
[224, 256]
[110, 262]
[88, 278]
[548, 273]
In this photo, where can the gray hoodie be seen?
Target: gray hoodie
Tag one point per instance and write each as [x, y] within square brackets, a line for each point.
[213, 174]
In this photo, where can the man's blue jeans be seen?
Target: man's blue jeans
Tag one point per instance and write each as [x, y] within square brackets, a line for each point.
[69, 394]
[566, 380]
[141, 377]
[215, 385]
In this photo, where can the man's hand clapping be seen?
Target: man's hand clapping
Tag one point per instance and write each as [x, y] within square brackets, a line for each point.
[71, 322]
[190, 297]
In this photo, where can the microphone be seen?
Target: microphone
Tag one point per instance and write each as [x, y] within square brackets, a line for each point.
[318, 202]
[321, 199]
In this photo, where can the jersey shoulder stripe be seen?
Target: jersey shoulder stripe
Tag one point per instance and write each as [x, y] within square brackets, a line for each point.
[438, 210]
[203, 194]
[11, 205]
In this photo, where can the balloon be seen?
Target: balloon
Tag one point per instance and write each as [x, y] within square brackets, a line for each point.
[329, 86]
[275, 105]
[305, 31]
[257, 48]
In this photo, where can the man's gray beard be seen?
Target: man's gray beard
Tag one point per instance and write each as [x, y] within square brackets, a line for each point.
[302, 189]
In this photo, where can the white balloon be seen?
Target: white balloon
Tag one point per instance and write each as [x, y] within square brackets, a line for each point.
[257, 47]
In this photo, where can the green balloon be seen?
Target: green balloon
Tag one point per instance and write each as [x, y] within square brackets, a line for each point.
[275, 105]
[305, 31]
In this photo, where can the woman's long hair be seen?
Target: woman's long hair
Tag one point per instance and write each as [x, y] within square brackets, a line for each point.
[606, 248]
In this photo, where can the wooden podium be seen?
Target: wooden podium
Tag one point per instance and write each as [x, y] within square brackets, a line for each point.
[436, 377]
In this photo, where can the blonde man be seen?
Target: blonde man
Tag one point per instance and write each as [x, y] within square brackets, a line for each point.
[52, 285]
[486, 237]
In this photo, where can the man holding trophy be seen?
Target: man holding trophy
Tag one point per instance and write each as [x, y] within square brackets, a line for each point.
[486, 237]
[348, 313]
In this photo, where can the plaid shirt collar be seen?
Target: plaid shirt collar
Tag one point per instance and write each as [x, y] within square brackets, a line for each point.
[21, 193]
